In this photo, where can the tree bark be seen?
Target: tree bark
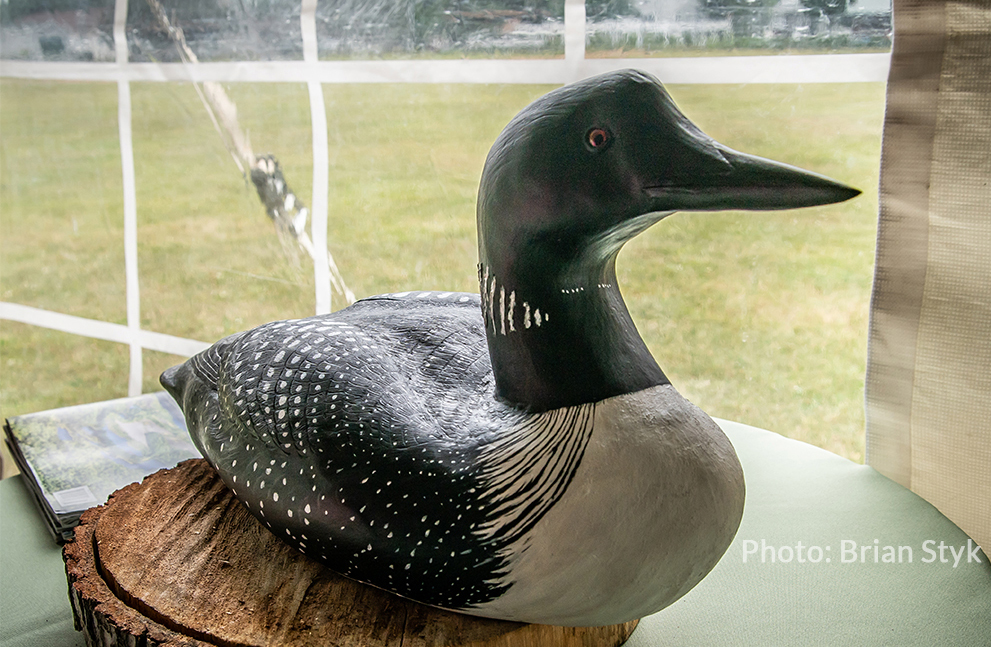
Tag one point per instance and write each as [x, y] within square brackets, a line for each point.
[178, 561]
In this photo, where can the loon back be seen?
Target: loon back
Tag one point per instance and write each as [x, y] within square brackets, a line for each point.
[374, 443]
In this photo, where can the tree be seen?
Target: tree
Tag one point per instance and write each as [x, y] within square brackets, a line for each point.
[748, 17]
[828, 7]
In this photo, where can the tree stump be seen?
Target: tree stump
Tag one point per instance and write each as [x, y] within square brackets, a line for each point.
[177, 560]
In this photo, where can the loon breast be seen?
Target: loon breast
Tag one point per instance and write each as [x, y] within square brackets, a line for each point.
[653, 506]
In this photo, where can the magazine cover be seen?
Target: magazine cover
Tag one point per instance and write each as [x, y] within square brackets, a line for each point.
[74, 458]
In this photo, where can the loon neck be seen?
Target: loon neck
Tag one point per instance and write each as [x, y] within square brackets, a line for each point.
[561, 338]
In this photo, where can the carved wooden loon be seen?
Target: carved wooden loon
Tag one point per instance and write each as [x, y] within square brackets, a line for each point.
[518, 455]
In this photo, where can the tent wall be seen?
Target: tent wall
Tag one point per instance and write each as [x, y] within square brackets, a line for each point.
[928, 386]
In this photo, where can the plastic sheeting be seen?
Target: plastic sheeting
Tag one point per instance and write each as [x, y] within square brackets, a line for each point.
[317, 43]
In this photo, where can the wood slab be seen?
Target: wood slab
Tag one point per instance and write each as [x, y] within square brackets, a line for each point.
[177, 560]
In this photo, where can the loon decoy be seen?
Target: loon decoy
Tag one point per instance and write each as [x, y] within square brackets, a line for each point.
[516, 454]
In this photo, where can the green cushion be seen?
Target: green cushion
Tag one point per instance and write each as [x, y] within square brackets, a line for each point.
[800, 493]
[34, 599]
[795, 493]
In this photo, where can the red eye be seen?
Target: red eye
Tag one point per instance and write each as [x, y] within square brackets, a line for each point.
[597, 139]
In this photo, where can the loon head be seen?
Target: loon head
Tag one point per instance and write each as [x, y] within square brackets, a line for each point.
[570, 180]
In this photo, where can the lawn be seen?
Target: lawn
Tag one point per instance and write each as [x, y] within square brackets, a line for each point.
[756, 317]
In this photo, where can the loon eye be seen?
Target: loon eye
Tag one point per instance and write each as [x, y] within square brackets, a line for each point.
[597, 139]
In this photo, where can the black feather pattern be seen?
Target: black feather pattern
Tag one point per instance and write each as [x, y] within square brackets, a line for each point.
[419, 492]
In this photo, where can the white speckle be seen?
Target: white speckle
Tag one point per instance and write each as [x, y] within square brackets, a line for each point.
[502, 310]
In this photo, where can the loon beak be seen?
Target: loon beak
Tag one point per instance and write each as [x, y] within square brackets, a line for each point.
[721, 178]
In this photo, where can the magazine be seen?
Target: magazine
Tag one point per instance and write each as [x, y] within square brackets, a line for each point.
[74, 458]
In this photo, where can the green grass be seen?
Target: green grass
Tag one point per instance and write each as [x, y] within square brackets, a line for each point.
[45, 369]
[209, 262]
[60, 199]
[757, 317]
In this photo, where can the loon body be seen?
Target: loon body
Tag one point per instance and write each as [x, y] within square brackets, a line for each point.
[516, 454]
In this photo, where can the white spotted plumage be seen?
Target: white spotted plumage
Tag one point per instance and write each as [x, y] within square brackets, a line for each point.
[465, 479]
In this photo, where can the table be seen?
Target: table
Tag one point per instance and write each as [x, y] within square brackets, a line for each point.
[815, 562]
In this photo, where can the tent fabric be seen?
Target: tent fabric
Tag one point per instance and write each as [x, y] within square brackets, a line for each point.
[928, 388]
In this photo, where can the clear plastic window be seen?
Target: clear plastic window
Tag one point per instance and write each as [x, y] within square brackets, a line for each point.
[756, 317]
